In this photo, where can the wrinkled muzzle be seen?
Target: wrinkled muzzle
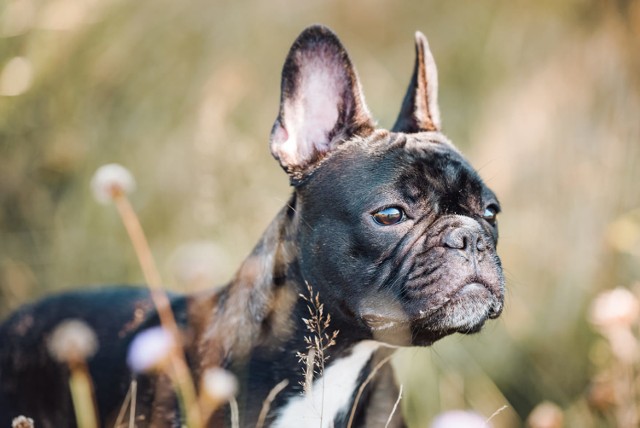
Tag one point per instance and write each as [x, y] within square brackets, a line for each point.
[454, 284]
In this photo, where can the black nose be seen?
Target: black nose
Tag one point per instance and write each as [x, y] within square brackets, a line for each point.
[462, 238]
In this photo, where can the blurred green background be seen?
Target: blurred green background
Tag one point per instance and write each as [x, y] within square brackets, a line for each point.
[543, 97]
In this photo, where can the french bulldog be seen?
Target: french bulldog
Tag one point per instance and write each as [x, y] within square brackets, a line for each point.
[389, 235]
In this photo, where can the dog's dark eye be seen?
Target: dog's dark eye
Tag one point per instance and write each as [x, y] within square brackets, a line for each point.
[490, 214]
[389, 216]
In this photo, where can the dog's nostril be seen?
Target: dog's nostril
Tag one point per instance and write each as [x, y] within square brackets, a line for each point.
[464, 239]
[456, 239]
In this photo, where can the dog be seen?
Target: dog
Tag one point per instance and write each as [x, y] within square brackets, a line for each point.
[391, 232]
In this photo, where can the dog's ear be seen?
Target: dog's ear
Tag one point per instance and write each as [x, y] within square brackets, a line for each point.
[420, 111]
[321, 103]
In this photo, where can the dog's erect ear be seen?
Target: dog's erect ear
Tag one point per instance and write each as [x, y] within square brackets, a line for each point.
[420, 111]
[321, 103]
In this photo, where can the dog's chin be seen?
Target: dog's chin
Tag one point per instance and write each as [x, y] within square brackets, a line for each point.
[422, 324]
[467, 310]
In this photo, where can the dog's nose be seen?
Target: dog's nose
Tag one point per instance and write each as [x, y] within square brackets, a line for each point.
[464, 239]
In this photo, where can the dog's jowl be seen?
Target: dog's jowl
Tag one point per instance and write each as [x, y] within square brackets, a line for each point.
[391, 232]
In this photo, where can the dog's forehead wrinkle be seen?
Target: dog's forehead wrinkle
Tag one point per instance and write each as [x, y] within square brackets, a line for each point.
[446, 180]
[391, 154]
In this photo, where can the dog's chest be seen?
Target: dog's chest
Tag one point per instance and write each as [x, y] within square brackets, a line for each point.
[331, 394]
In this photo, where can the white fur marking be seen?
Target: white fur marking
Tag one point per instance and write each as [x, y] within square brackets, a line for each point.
[330, 394]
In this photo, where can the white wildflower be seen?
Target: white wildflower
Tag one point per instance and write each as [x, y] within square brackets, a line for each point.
[150, 350]
[16, 77]
[615, 308]
[110, 181]
[72, 341]
[22, 422]
[219, 385]
[459, 419]
[546, 415]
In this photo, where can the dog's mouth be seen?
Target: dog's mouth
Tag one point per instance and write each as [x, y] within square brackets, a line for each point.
[478, 290]
[464, 310]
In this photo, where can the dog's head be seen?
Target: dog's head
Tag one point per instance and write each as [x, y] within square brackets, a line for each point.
[396, 230]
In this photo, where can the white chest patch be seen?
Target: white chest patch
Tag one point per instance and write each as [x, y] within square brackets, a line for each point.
[330, 394]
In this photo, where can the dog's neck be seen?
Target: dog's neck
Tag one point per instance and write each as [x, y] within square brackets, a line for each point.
[259, 293]
[259, 317]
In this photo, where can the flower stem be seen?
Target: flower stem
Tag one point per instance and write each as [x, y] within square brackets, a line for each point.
[182, 378]
[82, 396]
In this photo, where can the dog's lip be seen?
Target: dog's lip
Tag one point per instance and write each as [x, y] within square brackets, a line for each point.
[476, 287]
[480, 287]
[470, 288]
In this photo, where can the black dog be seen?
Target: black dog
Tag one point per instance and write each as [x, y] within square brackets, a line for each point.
[393, 230]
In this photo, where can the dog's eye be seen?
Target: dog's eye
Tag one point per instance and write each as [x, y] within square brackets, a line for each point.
[490, 214]
[389, 216]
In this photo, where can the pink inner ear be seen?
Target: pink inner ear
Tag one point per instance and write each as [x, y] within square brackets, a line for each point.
[313, 112]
